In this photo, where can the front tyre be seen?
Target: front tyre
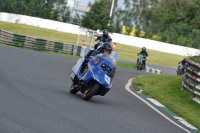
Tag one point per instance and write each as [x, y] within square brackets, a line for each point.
[73, 89]
[89, 93]
[139, 66]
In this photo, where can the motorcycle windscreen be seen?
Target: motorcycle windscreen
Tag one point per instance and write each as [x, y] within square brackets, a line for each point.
[141, 58]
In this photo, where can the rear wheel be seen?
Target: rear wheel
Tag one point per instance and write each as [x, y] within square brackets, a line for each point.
[90, 91]
[73, 88]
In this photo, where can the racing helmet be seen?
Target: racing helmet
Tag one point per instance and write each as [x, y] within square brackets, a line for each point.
[107, 46]
[143, 48]
[105, 32]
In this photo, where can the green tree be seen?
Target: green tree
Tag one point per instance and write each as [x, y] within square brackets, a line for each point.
[49, 9]
[97, 18]
[173, 21]
[9, 6]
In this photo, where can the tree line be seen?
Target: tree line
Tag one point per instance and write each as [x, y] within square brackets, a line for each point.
[171, 21]
[48, 9]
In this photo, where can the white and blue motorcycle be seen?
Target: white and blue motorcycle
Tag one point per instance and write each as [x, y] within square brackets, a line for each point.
[140, 64]
[94, 78]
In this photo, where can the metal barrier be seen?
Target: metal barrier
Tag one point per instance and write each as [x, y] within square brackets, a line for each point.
[191, 80]
[29, 42]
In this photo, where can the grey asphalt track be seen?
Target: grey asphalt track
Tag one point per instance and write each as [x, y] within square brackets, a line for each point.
[35, 98]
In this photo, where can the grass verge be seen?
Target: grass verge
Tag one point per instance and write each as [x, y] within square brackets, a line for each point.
[127, 65]
[167, 90]
[126, 52]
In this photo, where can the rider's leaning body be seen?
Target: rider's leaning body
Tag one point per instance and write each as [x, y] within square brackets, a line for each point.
[106, 48]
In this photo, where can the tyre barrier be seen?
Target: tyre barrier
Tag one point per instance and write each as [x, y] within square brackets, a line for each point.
[28, 42]
[191, 80]
[152, 70]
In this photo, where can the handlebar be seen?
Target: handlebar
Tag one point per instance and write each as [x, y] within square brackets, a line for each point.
[142, 55]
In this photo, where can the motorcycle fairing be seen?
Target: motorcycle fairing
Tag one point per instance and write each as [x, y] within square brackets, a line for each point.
[141, 58]
[97, 73]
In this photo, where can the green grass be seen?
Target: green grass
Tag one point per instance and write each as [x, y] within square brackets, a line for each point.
[127, 65]
[167, 90]
[126, 52]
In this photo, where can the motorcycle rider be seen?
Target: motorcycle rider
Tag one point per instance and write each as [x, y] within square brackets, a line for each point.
[106, 48]
[183, 62]
[104, 38]
[145, 54]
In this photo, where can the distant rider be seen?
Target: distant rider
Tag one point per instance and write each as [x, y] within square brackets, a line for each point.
[103, 38]
[183, 62]
[143, 53]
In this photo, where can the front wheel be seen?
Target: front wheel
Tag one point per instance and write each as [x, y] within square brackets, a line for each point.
[73, 88]
[139, 67]
[88, 94]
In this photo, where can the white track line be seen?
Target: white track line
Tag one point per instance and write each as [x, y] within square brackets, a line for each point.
[128, 89]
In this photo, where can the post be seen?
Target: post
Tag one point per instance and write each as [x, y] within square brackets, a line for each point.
[16, 7]
[41, 8]
[113, 1]
[43, 2]
[170, 33]
[91, 38]
[1, 4]
[195, 41]
[78, 37]
[22, 2]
